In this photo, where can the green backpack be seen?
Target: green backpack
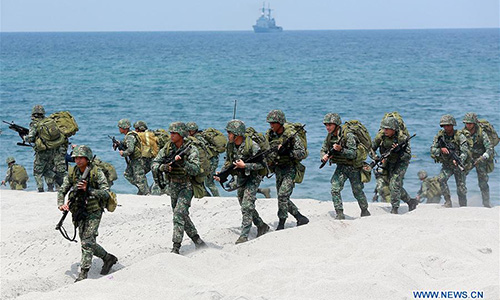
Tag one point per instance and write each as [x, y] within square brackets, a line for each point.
[401, 122]
[65, 122]
[204, 158]
[490, 131]
[259, 138]
[19, 174]
[364, 142]
[49, 135]
[108, 170]
[163, 137]
[293, 128]
[215, 138]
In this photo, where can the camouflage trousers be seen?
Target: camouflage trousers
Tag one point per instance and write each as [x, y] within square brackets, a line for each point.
[88, 232]
[181, 195]
[135, 174]
[382, 187]
[60, 163]
[340, 176]
[209, 181]
[246, 197]
[43, 167]
[482, 180]
[446, 172]
[395, 173]
[14, 185]
[285, 177]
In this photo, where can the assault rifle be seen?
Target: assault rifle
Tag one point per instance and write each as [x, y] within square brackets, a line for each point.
[453, 153]
[287, 146]
[331, 152]
[169, 161]
[22, 131]
[117, 145]
[377, 162]
[80, 198]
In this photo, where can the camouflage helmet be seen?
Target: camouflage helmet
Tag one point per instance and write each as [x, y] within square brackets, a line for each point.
[331, 118]
[10, 159]
[82, 151]
[38, 110]
[389, 123]
[178, 127]
[141, 125]
[447, 120]
[276, 116]
[422, 174]
[236, 127]
[192, 126]
[470, 118]
[124, 123]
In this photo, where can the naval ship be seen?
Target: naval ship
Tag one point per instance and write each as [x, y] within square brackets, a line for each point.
[266, 23]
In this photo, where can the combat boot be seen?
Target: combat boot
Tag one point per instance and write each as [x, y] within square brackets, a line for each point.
[447, 201]
[176, 248]
[281, 224]
[50, 188]
[83, 275]
[198, 242]
[109, 260]
[365, 212]
[412, 204]
[486, 198]
[241, 239]
[262, 229]
[266, 192]
[394, 210]
[301, 219]
[40, 190]
[340, 214]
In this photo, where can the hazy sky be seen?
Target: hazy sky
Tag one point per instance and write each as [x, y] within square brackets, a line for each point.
[181, 15]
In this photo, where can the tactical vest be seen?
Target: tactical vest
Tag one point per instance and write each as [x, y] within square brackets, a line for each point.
[137, 146]
[337, 158]
[177, 171]
[454, 141]
[93, 204]
[387, 143]
[274, 140]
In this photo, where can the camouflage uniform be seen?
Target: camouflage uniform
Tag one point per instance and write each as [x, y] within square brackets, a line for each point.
[180, 186]
[459, 141]
[248, 179]
[43, 165]
[14, 185]
[284, 166]
[482, 152]
[98, 195]
[134, 172]
[396, 164]
[141, 126]
[382, 187]
[346, 166]
[429, 189]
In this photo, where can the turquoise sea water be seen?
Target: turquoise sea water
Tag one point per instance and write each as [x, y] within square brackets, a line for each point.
[162, 77]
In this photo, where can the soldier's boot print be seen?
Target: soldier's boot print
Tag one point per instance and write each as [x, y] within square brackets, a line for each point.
[394, 210]
[265, 191]
[412, 204]
[281, 224]
[50, 187]
[241, 239]
[83, 275]
[176, 248]
[109, 260]
[365, 212]
[262, 229]
[301, 219]
[447, 201]
[340, 214]
[198, 242]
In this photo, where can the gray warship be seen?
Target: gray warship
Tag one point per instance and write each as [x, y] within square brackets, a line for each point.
[266, 23]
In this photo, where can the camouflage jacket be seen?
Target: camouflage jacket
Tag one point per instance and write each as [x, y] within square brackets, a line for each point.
[188, 166]
[234, 153]
[481, 144]
[297, 151]
[33, 131]
[132, 145]
[348, 152]
[459, 143]
[384, 143]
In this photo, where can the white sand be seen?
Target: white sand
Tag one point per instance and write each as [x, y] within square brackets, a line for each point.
[379, 257]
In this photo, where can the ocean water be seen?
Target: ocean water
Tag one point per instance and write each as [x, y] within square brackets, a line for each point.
[161, 77]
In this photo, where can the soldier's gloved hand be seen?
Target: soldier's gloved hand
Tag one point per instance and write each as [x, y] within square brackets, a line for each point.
[163, 168]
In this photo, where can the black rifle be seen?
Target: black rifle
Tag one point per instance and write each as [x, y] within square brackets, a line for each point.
[287, 145]
[158, 176]
[22, 131]
[453, 152]
[377, 162]
[117, 145]
[331, 152]
[80, 198]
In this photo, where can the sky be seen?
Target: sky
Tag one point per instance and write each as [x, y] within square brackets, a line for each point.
[226, 15]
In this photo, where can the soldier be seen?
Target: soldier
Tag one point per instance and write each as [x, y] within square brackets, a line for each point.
[141, 126]
[43, 165]
[239, 148]
[347, 165]
[482, 154]
[429, 189]
[396, 164]
[86, 210]
[16, 175]
[382, 187]
[458, 142]
[192, 128]
[284, 166]
[134, 172]
[179, 175]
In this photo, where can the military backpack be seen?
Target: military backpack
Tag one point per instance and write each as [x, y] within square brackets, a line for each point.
[401, 123]
[292, 128]
[65, 122]
[162, 137]
[149, 144]
[215, 138]
[363, 140]
[49, 136]
[19, 174]
[490, 131]
[108, 170]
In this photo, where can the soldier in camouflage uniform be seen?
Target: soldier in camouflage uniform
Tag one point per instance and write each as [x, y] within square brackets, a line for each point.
[134, 172]
[482, 154]
[430, 188]
[284, 166]
[10, 176]
[382, 187]
[458, 140]
[141, 126]
[239, 148]
[193, 130]
[87, 211]
[347, 167]
[179, 175]
[43, 165]
[396, 164]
